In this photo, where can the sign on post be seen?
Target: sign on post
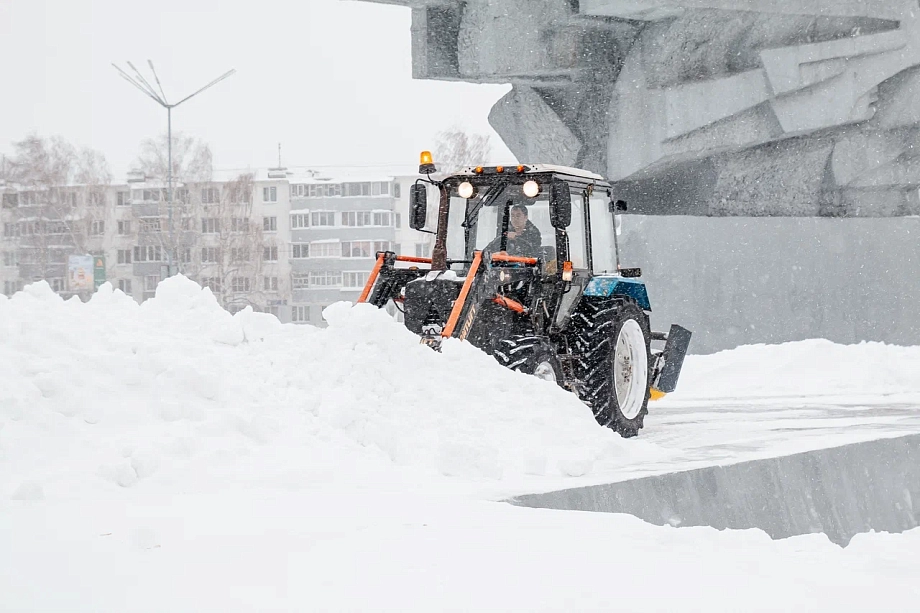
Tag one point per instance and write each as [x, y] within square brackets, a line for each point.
[80, 273]
[99, 270]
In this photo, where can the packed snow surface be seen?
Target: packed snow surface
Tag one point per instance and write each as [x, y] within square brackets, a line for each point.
[170, 456]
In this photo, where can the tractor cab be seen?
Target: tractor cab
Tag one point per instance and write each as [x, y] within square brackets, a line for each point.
[566, 217]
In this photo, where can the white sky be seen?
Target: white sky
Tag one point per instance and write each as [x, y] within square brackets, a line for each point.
[328, 79]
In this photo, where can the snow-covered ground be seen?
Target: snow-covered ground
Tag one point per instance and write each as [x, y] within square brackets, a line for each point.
[169, 456]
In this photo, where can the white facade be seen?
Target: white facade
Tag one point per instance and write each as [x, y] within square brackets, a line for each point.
[288, 243]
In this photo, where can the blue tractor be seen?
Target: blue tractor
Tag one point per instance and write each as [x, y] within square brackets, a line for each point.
[526, 267]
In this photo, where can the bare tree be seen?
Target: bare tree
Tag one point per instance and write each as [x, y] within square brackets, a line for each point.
[455, 149]
[217, 241]
[191, 159]
[60, 192]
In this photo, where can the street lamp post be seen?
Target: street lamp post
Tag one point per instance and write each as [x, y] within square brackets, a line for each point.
[159, 97]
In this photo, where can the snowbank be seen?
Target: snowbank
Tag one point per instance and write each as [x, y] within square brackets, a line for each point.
[170, 456]
[802, 369]
[178, 387]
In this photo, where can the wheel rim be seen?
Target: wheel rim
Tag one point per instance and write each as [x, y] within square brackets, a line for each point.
[545, 371]
[630, 369]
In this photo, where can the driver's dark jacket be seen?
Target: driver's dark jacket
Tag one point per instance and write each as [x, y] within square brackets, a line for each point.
[527, 244]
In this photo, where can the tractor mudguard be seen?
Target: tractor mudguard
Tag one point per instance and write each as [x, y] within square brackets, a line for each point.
[675, 350]
[604, 286]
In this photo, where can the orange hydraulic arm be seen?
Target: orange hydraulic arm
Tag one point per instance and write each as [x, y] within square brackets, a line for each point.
[461, 299]
[381, 258]
[372, 278]
[510, 303]
[504, 257]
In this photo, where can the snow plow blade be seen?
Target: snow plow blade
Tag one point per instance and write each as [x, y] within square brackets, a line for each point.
[675, 350]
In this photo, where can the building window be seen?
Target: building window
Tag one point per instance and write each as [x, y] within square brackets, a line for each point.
[325, 278]
[210, 225]
[151, 282]
[300, 220]
[357, 189]
[239, 254]
[10, 200]
[300, 251]
[240, 284]
[124, 227]
[300, 280]
[383, 219]
[422, 250]
[240, 195]
[11, 287]
[124, 256]
[270, 284]
[239, 224]
[185, 255]
[210, 255]
[10, 259]
[56, 283]
[355, 280]
[97, 199]
[269, 194]
[97, 227]
[123, 199]
[269, 224]
[363, 249]
[325, 250]
[398, 223]
[270, 254]
[150, 224]
[53, 228]
[380, 188]
[125, 285]
[150, 253]
[324, 190]
[356, 218]
[322, 218]
[11, 230]
[300, 314]
[210, 195]
[212, 283]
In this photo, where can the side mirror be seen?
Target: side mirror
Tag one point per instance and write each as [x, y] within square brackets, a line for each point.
[619, 206]
[560, 200]
[418, 206]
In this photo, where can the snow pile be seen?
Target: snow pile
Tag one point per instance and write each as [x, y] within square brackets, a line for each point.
[179, 389]
[801, 369]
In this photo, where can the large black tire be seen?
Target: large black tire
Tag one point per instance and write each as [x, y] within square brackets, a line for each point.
[531, 355]
[606, 333]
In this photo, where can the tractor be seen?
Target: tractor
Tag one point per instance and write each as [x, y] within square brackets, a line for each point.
[526, 267]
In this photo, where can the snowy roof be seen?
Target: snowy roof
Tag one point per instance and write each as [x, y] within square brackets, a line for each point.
[568, 170]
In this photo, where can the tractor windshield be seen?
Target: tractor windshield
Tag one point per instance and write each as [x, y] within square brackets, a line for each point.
[530, 232]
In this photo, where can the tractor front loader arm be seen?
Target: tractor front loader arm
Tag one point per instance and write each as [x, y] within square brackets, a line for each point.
[386, 282]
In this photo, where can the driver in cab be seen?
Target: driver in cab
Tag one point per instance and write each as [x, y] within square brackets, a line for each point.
[524, 238]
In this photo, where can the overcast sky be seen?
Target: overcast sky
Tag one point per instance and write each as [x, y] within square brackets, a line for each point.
[328, 79]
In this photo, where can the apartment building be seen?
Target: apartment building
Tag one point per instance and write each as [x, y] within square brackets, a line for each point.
[284, 242]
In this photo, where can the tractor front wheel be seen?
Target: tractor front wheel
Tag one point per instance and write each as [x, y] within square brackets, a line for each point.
[614, 339]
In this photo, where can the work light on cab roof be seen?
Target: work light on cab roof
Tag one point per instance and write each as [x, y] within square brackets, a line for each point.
[426, 163]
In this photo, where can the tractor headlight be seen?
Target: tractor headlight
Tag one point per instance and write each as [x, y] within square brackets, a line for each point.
[531, 189]
[466, 190]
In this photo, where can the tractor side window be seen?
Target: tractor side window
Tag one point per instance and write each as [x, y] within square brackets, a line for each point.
[456, 237]
[576, 232]
[602, 241]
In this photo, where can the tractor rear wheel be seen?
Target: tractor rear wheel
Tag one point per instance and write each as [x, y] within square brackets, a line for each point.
[613, 338]
[531, 355]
